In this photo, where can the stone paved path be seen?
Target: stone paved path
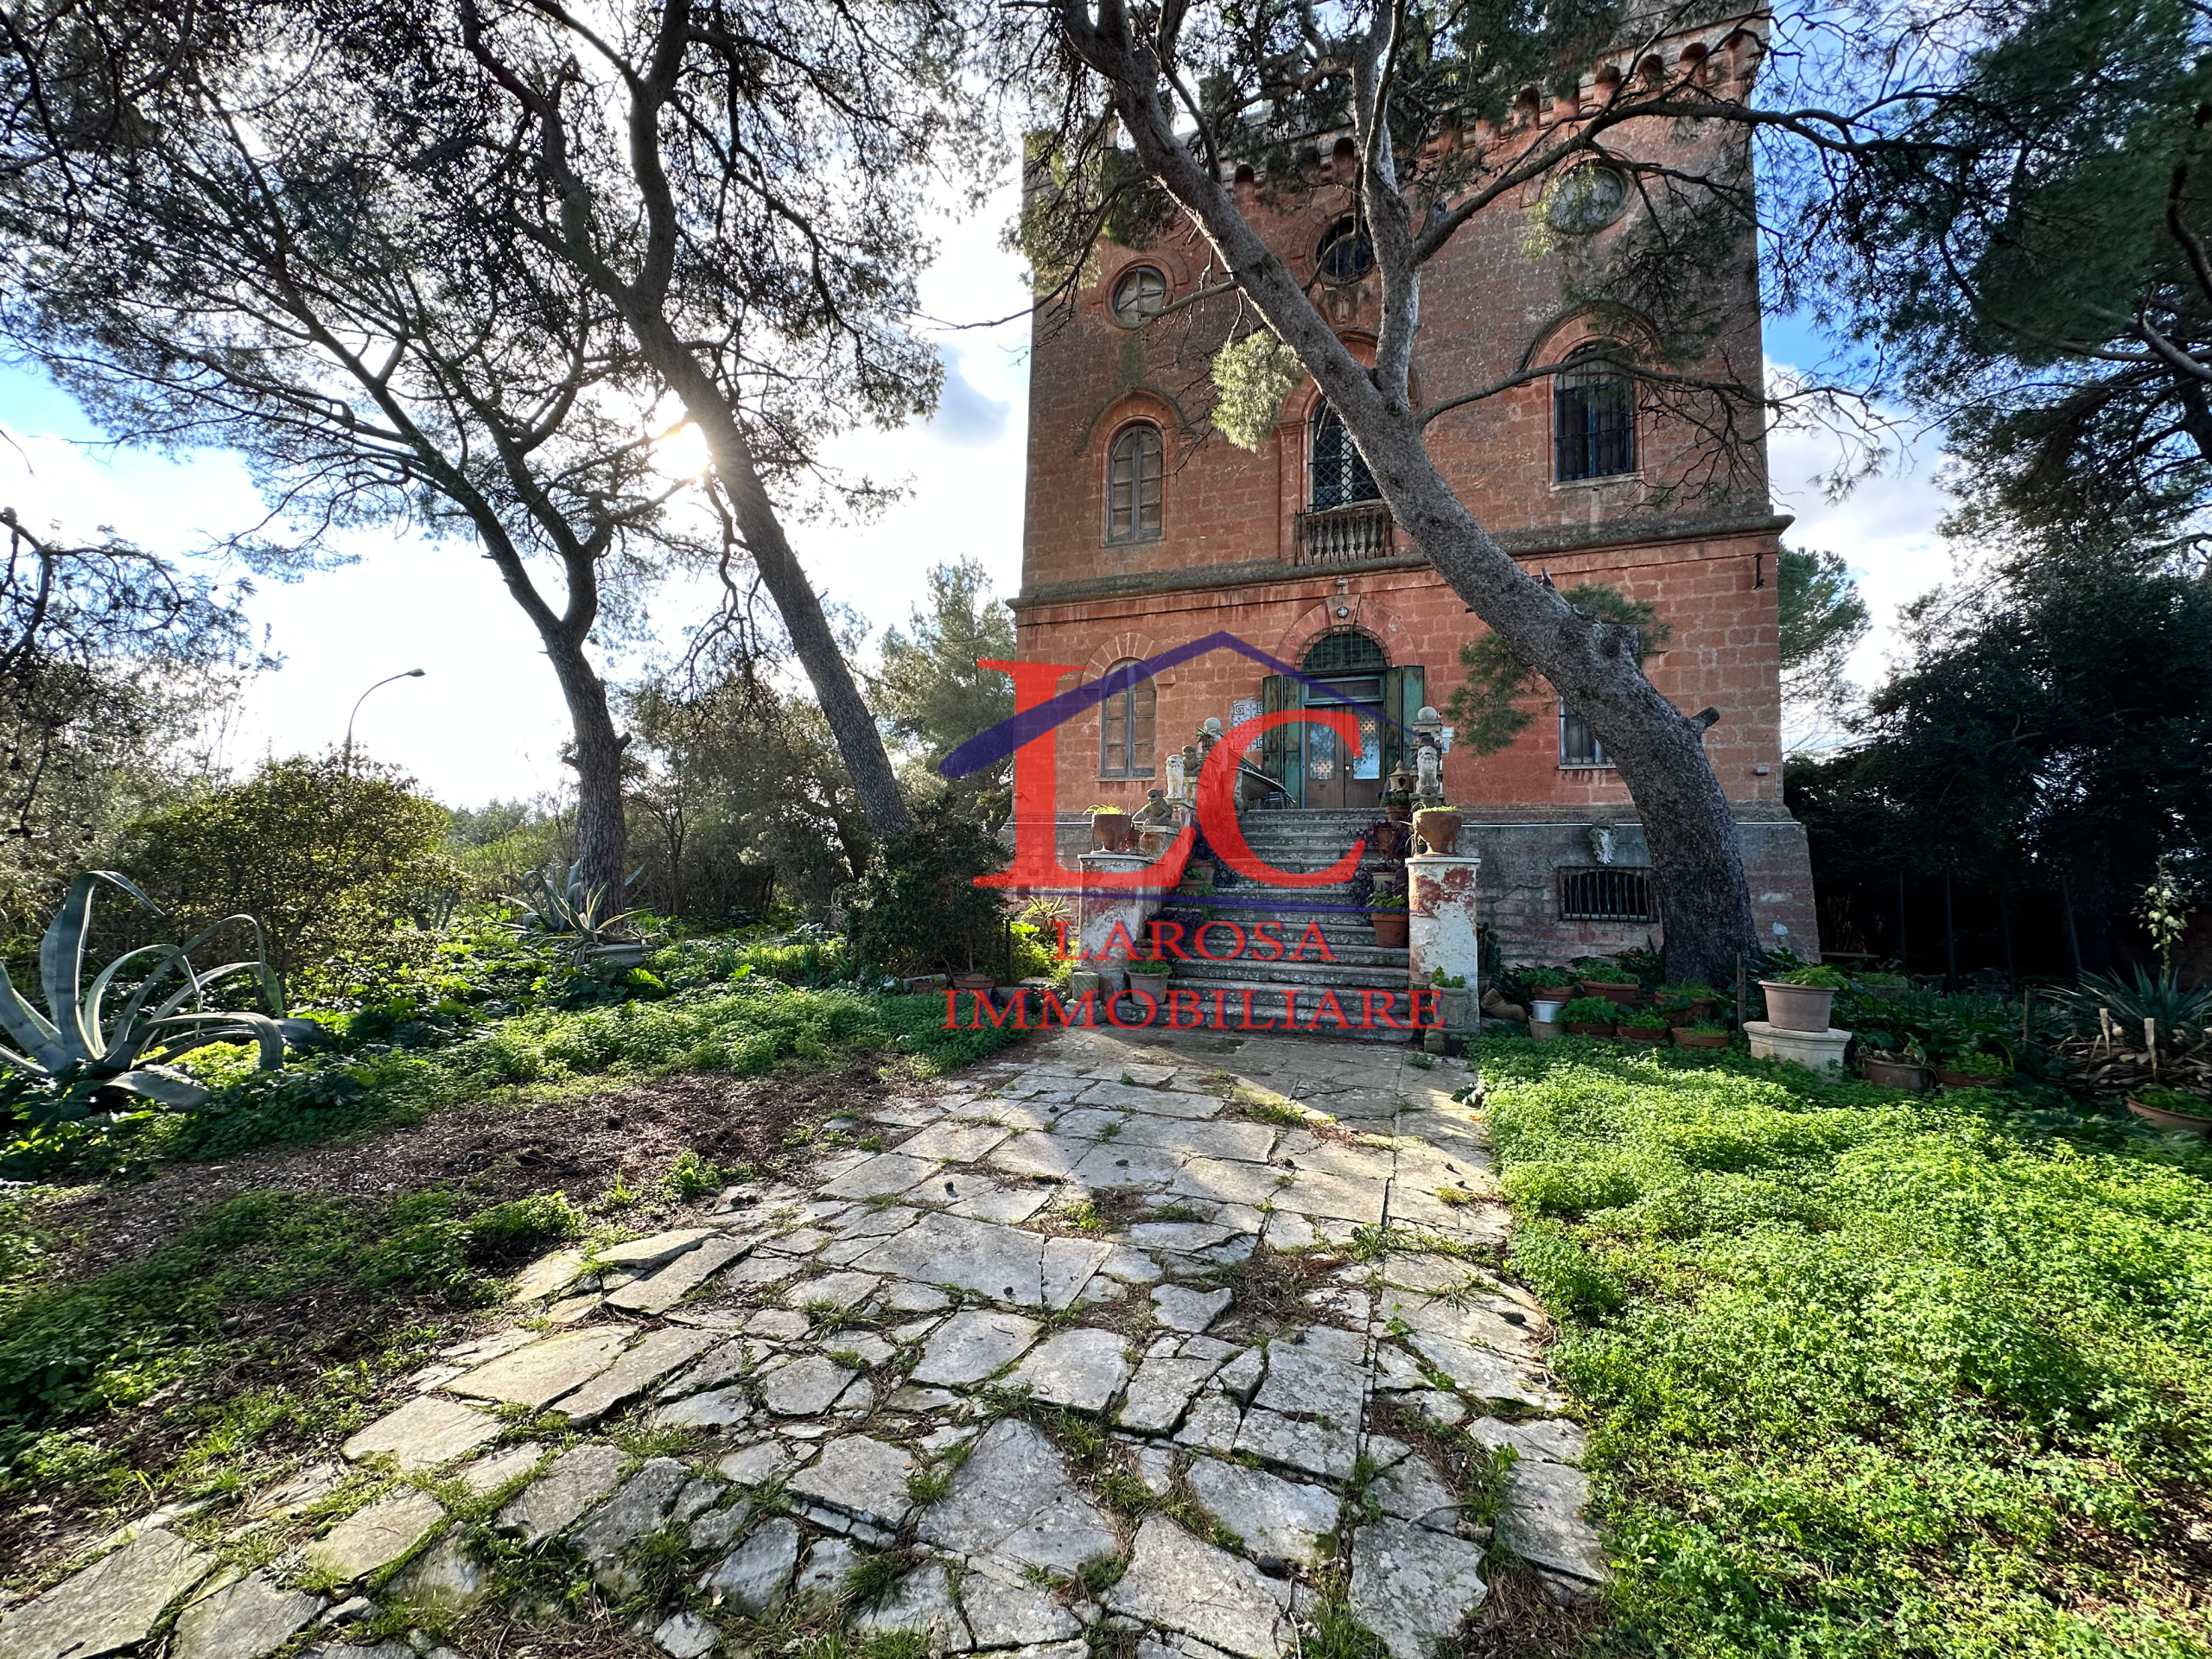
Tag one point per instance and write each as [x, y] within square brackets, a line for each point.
[1155, 1341]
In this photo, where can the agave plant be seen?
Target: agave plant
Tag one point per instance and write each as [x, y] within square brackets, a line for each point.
[77, 1048]
[573, 915]
[2161, 997]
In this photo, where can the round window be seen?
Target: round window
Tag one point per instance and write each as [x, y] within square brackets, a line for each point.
[1140, 294]
[1588, 198]
[1346, 254]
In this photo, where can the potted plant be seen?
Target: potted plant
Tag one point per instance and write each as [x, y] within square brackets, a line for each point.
[1450, 999]
[1982, 1061]
[2170, 1109]
[1398, 805]
[972, 982]
[1601, 977]
[1111, 830]
[1885, 1061]
[1386, 912]
[1589, 1016]
[1701, 1033]
[1641, 1026]
[1151, 967]
[1687, 1003]
[1549, 989]
[1799, 999]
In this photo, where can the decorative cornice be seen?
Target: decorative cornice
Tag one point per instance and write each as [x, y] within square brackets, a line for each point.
[1520, 543]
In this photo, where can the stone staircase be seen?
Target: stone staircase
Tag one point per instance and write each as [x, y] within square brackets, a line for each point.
[1300, 840]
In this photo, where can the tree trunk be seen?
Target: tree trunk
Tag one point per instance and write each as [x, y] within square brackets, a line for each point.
[602, 833]
[859, 739]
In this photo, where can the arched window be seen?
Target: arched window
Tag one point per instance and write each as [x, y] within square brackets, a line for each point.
[1125, 735]
[1346, 253]
[1340, 475]
[1139, 293]
[1593, 408]
[1133, 472]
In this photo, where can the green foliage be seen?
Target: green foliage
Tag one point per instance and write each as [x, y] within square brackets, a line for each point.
[919, 909]
[934, 696]
[574, 916]
[2173, 1100]
[1823, 619]
[1251, 378]
[1537, 977]
[1387, 901]
[1641, 1019]
[2164, 911]
[1589, 1011]
[1819, 976]
[1486, 701]
[2177, 1008]
[328, 859]
[1870, 1375]
[692, 1177]
[80, 1047]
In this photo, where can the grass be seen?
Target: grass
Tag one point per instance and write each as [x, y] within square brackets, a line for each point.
[1870, 1375]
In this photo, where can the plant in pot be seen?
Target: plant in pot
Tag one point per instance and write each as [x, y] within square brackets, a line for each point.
[1891, 1063]
[1979, 1060]
[2170, 1109]
[1438, 830]
[1450, 999]
[1601, 976]
[1386, 912]
[1801, 999]
[1111, 830]
[1589, 1016]
[1398, 805]
[1687, 1003]
[1549, 990]
[1151, 967]
[1641, 1026]
[1701, 1033]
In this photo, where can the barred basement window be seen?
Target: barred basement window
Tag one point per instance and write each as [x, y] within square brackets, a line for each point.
[1606, 895]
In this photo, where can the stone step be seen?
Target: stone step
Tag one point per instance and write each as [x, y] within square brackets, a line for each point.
[1383, 976]
[1270, 1004]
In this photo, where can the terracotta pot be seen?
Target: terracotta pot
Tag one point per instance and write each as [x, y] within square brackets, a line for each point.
[1797, 1008]
[1682, 1016]
[1896, 1074]
[1641, 1033]
[972, 982]
[1439, 828]
[1586, 1028]
[1620, 995]
[1544, 1030]
[1389, 928]
[2165, 1120]
[1397, 812]
[1700, 1039]
[1971, 1079]
[1111, 832]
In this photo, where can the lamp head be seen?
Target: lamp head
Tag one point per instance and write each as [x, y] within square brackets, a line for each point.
[415, 673]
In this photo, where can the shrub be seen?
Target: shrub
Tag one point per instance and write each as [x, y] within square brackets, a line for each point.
[1538, 977]
[326, 859]
[1824, 977]
[1641, 1019]
[920, 910]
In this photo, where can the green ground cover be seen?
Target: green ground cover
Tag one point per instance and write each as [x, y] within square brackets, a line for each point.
[1870, 1374]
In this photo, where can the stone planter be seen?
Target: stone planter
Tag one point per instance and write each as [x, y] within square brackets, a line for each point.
[1620, 995]
[1112, 832]
[1451, 1008]
[1700, 1039]
[1544, 1030]
[1641, 1033]
[624, 953]
[1589, 1029]
[2160, 1117]
[1390, 928]
[1908, 1075]
[1438, 830]
[1797, 1008]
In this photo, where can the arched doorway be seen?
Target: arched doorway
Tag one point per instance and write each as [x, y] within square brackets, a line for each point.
[1351, 668]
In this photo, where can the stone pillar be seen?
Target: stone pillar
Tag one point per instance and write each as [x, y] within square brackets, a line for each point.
[1440, 924]
[1100, 911]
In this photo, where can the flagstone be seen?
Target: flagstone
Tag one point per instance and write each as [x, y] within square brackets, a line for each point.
[862, 1477]
[111, 1604]
[373, 1539]
[573, 1482]
[1014, 1499]
[247, 1618]
[1180, 1583]
[952, 1250]
[752, 1577]
[1411, 1585]
[422, 1434]
[1083, 1369]
[1285, 1519]
[542, 1373]
[953, 1143]
[885, 1173]
[653, 1356]
[679, 1278]
[972, 1346]
[805, 1387]
[641, 1253]
[1161, 1102]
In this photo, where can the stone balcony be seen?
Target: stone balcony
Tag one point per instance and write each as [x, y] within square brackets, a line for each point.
[1348, 535]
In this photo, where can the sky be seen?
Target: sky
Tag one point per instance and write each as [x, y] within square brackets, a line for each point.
[485, 721]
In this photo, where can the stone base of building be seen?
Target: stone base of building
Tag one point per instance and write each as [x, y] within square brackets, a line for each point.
[1816, 1051]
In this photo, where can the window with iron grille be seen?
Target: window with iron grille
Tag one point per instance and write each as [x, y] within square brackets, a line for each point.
[1594, 408]
[1126, 724]
[1578, 743]
[1340, 474]
[1133, 472]
[1606, 895]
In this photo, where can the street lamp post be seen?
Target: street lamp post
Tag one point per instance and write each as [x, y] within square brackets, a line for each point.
[409, 674]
